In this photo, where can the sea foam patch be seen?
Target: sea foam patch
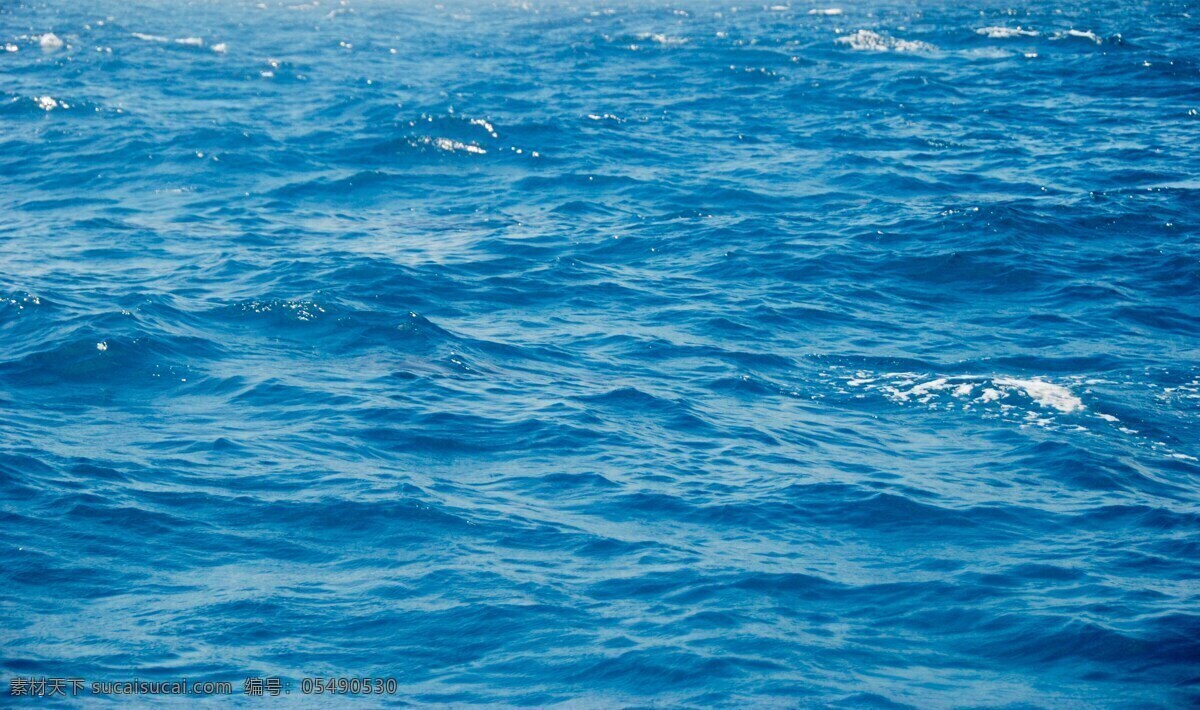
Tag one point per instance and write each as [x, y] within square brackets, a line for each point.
[871, 41]
[1006, 394]
[1006, 32]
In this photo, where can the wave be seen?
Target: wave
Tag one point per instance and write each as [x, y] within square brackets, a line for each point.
[871, 41]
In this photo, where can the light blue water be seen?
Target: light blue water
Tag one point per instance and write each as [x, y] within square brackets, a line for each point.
[609, 353]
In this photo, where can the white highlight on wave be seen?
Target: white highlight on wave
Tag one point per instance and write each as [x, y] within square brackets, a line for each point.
[909, 387]
[1080, 34]
[485, 125]
[185, 41]
[662, 39]
[1002, 397]
[1005, 32]
[50, 42]
[827, 11]
[1045, 393]
[868, 41]
[49, 103]
[452, 146]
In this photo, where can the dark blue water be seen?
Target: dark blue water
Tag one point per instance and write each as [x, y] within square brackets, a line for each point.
[610, 353]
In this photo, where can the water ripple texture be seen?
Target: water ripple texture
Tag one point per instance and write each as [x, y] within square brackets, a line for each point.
[605, 353]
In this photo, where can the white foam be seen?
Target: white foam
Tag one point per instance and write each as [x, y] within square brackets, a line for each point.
[485, 125]
[925, 388]
[906, 387]
[663, 39]
[220, 48]
[1085, 34]
[827, 11]
[186, 41]
[452, 146]
[10, 47]
[1005, 32]
[989, 53]
[48, 103]
[50, 42]
[868, 41]
[1045, 393]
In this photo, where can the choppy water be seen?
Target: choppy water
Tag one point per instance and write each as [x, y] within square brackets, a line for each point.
[605, 353]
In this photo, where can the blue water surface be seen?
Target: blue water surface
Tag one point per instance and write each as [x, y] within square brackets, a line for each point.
[605, 353]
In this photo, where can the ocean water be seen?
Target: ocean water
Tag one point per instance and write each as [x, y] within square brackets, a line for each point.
[604, 353]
